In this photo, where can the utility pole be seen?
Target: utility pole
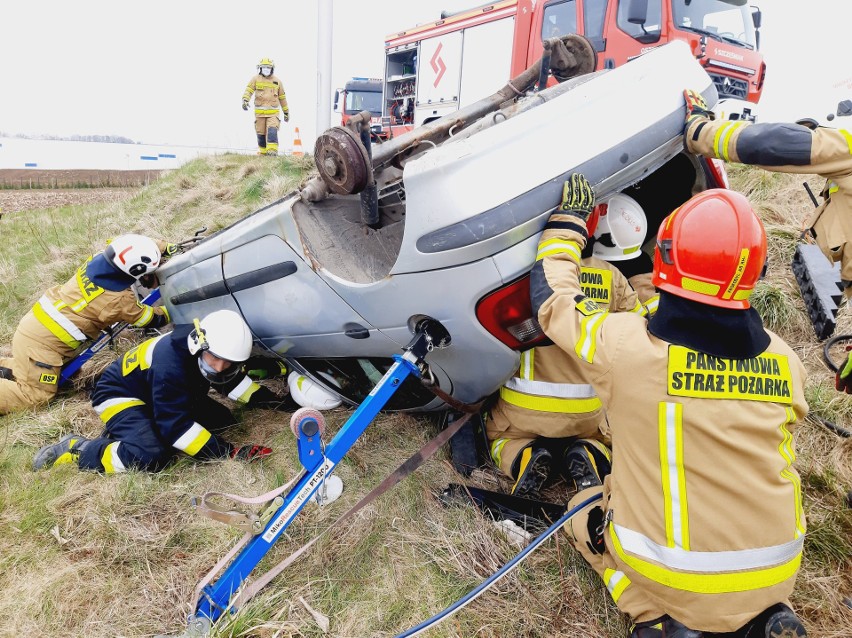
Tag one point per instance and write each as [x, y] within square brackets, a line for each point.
[324, 40]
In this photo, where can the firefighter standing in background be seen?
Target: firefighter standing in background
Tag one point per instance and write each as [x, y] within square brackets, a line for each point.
[548, 419]
[154, 401]
[67, 316]
[618, 238]
[268, 94]
[700, 527]
[804, 147]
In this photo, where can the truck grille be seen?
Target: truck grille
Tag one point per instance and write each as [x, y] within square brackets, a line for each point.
[727, 86]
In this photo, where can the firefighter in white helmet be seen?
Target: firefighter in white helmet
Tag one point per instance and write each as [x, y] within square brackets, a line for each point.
[66, 317]
[618, 238]
[548, 421]
[268, 95]
[154, 401]
[700, 528]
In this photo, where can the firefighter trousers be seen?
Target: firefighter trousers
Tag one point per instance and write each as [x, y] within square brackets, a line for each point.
[267, 132]
[36, 370]
[131, 439]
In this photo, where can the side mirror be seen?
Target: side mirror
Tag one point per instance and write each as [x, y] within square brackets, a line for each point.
[637, 11]
[336, 98]
[756, 17]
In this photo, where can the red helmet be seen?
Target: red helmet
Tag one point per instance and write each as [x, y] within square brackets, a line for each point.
[592, 222]
[711, 250]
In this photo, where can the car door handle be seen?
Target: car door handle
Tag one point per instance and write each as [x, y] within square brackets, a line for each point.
[237, 283]
[355, 330]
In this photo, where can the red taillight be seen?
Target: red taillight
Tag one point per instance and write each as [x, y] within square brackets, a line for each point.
[717, 167]
[507, 314]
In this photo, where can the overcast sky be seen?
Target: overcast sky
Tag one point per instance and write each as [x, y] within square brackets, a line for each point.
[174, 72]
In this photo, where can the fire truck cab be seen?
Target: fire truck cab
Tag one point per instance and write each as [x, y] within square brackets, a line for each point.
[360, 94]
[441, 66]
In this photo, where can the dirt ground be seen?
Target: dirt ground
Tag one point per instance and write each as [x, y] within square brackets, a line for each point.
[16, 201]
[32, 189]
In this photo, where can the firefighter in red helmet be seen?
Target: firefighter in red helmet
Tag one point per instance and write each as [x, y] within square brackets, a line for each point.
[700, 527]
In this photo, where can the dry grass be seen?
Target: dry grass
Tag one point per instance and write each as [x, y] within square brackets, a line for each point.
[87, 555]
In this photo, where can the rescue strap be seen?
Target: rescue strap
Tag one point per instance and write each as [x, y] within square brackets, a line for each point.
[249, 522]
[475, 593]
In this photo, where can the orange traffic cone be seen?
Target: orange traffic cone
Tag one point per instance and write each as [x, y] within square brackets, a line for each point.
[297, 144]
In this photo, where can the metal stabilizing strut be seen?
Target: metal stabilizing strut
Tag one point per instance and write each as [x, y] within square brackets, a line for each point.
[319, 463]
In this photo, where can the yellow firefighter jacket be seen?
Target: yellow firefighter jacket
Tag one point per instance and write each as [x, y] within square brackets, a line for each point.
[703, 506]
[67, 316]
[648, 294]
[268, 94]
[550, 395]
[791, 148]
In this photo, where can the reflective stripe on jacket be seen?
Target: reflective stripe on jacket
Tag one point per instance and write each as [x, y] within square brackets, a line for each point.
[550, 394]
[268, 95]
[703, 505]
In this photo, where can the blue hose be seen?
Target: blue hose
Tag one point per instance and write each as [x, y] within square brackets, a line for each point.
[475, 593]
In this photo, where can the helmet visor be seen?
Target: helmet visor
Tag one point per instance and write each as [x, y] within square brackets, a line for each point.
[266, 71]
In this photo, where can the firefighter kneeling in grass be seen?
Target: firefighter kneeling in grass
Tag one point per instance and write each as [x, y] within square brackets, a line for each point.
[700, 528]
[548, 421]
[67, 316]
[154, 401]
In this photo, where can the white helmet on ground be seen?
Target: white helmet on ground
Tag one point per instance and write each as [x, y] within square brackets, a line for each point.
[310, 394]
[224, 334]
[135, 255]
[621, 229]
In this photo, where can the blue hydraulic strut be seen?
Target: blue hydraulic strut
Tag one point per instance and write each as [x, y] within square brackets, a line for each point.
[102, 341]
[216, 596]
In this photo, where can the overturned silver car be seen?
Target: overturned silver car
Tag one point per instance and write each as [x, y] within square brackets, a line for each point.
[444, 222]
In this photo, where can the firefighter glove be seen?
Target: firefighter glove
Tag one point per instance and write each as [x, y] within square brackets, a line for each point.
[245, 105]
[696, 106]
[578, 197]
[286, 117]
[250, 453]
[172, 250]
[843, 380]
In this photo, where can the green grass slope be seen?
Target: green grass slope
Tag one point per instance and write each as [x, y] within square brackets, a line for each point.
[89, 555]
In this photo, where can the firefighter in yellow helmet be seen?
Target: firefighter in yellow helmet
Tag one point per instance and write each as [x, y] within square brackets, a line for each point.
[67, 316]
[268, 95]
[700, 527]
[548, 421]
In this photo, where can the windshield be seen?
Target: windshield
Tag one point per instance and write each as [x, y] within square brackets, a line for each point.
[724, 20]
[357, 101]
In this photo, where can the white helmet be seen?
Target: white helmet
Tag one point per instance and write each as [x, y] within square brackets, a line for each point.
[310, 394]
[224, 334]
[135, 255]
[621, 229]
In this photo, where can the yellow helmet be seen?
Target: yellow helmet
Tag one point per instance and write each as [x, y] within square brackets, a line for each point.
[266, 62]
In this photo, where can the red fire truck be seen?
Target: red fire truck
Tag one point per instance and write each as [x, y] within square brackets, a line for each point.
[439, 67]
[360, 94]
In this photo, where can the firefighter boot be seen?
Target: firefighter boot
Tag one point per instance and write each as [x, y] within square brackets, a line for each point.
[779, 621]
[585, 464]
[664, 627]
[532, 468]
[66, 451]
[261, 144]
